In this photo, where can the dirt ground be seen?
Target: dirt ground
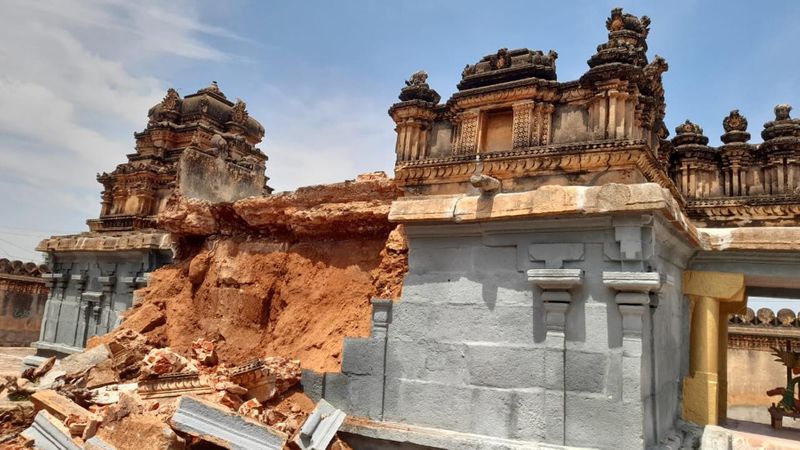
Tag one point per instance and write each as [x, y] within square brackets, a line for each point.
[11, 359]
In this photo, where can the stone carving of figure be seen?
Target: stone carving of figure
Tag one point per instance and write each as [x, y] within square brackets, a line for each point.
[219, 145]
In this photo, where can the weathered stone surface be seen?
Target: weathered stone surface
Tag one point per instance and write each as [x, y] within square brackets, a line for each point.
[188, 216]
[57, 405]
[219, 426]
[140, 432]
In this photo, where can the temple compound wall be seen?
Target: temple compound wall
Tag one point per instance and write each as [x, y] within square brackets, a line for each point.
[571, 269]
[22, 298]
[753, 368]
[201, 146]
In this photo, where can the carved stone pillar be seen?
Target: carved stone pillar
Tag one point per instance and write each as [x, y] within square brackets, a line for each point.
[107, 284]
[633, 298]
[713, 295]
[544, 117]
[414, 123]
[521, 130]
[555, 285]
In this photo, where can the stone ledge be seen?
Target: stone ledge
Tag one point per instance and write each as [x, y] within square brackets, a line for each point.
[751, 238]
[434, 437]
[107, 242]
[546, 201]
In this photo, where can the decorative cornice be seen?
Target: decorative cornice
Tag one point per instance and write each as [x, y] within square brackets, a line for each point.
[107, 242]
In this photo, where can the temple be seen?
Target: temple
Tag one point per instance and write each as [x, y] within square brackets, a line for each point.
[548, 268]
[202, 146]
[571, 268]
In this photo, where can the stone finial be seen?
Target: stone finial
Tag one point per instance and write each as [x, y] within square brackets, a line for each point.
[734, 122]
[689, 127]
[619, 21]
[627, 44]
[417, 88]
[783, 133]
[418, 78]
[782, 111]
[735, 126]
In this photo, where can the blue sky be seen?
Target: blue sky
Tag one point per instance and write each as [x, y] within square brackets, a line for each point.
[78, 77]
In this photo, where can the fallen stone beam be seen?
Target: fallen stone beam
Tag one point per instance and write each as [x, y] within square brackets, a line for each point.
[217, 425]
[48, 433]
[57, 405]
[320, 427]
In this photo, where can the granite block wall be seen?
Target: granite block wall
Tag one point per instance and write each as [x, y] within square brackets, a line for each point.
[88, 293]
[518, 331]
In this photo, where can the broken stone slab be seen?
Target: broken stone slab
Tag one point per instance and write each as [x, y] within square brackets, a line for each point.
[56, 404]
[140, 432]
[214, 424]
[320, 427]
[48, 433]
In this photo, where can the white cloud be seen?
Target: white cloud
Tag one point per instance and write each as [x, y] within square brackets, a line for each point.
[72, 90]
[315, 139]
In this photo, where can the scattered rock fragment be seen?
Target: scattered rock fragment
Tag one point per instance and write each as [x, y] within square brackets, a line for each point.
[204, 352]
[160, 361]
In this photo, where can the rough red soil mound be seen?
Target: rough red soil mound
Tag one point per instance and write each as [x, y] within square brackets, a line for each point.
[288, 275]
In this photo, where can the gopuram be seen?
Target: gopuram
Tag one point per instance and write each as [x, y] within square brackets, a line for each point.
[201, 146]
[571, 268]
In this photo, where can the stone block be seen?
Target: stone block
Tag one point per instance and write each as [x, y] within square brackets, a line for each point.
[212, 423]
[614, 424]
[491, 411]
[313, 384]
[530, 415]
[357, 395]
[426, 360]
[429, 404]
[48, 433]
[363, 356]
[505, 366]
[57, 405]
[459, 322]
[586, 372]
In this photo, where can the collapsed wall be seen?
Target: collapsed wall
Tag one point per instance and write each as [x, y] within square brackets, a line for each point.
[290, 274]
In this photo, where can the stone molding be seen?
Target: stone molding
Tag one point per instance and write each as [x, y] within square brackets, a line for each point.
[634, 282]
[48, 432]
[107, 242]
[223, 427]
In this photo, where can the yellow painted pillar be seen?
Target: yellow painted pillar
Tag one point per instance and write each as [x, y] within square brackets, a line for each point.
[713, 295]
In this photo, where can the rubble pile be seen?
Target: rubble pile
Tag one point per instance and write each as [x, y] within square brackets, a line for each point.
[290, 274]
[102, 399]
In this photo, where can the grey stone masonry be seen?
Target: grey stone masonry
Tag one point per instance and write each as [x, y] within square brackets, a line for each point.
[537, 333]
[89, 291]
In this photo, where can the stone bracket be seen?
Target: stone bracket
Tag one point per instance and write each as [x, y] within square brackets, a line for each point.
[555, 285]
[633, 296]
[630, 242]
